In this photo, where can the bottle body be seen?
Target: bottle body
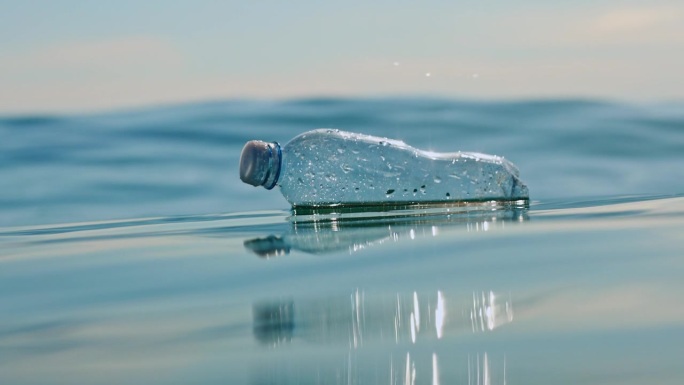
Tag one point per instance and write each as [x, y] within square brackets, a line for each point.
[332, 167]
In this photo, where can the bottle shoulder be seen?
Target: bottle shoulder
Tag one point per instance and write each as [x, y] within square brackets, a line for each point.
[330, 135]
[315, 141]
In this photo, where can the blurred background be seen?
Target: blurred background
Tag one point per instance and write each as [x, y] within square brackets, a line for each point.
[80, 56]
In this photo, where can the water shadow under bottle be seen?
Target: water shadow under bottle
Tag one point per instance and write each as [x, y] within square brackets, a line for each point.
[332, 229]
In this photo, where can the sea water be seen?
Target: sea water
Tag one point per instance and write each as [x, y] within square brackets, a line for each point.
[130, 252]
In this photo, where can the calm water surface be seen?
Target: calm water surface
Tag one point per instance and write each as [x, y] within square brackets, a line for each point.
[130, 252]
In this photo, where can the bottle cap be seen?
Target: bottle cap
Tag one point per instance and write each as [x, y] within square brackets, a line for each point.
[260, 163]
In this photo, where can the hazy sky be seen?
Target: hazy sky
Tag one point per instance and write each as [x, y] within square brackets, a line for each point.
[93, 55]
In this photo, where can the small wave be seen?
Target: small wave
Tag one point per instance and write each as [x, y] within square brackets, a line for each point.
[29, 121]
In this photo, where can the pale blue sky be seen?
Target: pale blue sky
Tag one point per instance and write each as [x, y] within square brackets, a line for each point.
[86, 55]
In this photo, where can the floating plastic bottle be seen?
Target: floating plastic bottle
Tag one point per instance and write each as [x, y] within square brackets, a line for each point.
[328, 167]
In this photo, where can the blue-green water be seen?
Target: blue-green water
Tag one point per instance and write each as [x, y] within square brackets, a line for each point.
[130, 252]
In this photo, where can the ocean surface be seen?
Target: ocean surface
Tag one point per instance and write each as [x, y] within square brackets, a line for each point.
[131, 252]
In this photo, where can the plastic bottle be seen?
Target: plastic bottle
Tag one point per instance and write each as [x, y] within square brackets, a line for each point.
[328, 167]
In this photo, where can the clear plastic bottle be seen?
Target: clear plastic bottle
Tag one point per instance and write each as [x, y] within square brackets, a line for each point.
[327, 167]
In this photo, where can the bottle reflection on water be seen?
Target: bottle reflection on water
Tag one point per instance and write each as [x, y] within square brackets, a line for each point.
[475, 369]
[394, 368]
[486, 370]
[321, 231]
[409, 328]
[356, 319]
[489, 311]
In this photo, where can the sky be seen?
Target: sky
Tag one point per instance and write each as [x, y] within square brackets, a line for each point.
[82, 56]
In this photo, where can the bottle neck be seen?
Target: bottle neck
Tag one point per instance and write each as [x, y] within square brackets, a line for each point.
[274, 164]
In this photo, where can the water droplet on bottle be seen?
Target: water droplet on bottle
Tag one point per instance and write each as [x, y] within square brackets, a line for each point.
[390, 192]
[438, 179]
[448, 195]
[346, 168]
[340, 150]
